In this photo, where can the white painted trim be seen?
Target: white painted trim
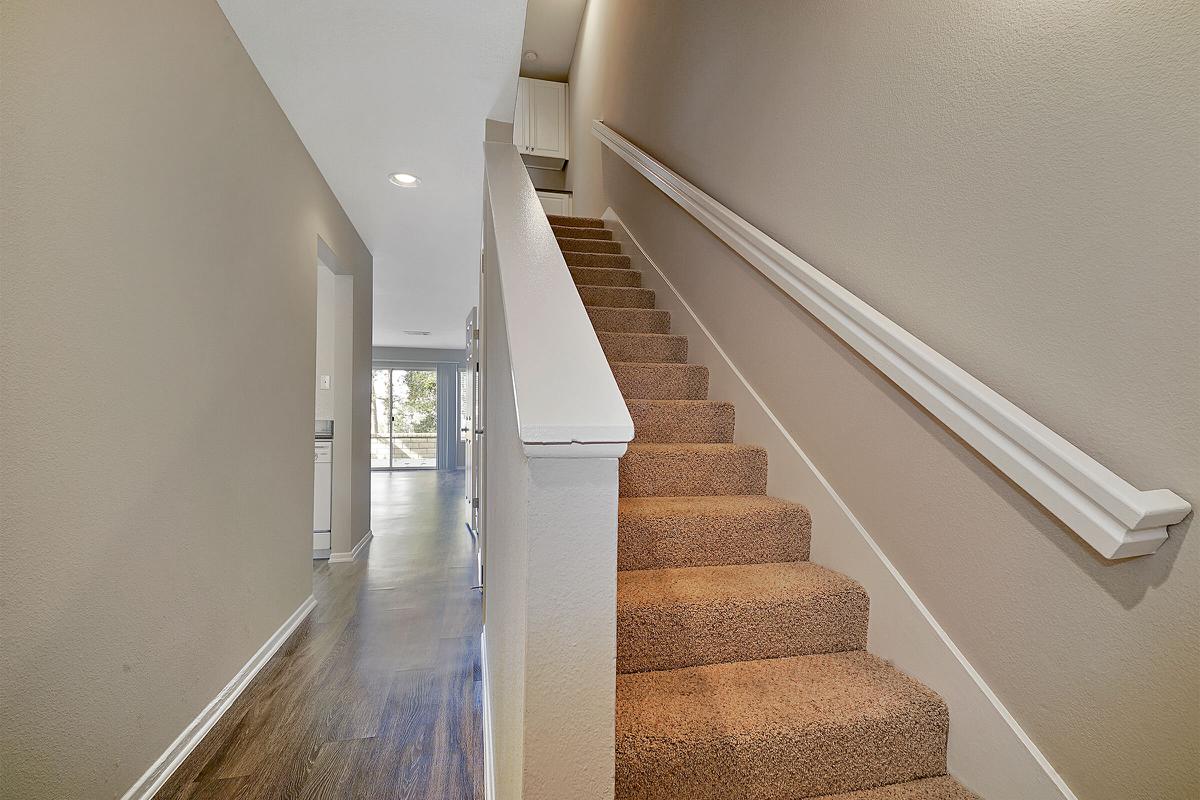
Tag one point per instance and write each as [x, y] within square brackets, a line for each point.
[341, 558]
[169, 761]
[489, 751]
[1111, 515]
[996, 733]
[575, 450]
[565, 391]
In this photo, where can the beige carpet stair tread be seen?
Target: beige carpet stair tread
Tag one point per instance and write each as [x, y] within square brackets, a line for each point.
[741, 668]
[629, 320]
[616, 296]
[664, 532]
[603, 276]
[564, 232]
[673, 618]
[661, 381]
[588, 245]
[941, 788]
[674, 470]
[609, 260]
[563, 220]
[660, 348]
[696, 421]
[778, 729]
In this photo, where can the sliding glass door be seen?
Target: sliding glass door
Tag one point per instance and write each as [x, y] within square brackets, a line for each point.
[404, 419]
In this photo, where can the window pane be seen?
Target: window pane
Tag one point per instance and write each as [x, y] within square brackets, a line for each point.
[464, 406]
[414, 418]
[379, 453]
[414, 450]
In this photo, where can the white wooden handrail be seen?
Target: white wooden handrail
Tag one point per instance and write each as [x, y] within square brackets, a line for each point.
[1111, 515]
[568, 403]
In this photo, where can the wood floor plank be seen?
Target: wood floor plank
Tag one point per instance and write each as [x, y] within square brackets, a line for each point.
[399, 757]
[450, 774]
[333, 771]
[211, 790]
[377, 694]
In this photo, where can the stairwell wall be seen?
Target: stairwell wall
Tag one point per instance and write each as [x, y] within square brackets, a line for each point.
[1017, 186]
[158, 321]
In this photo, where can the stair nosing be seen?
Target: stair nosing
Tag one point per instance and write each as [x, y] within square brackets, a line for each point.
[636, 333]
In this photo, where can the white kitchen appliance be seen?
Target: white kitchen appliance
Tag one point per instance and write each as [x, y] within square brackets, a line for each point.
[322, 487]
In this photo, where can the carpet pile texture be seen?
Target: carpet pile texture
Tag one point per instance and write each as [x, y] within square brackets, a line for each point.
[742, 668]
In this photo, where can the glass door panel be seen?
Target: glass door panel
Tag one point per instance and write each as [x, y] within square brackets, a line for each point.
[414, 418]
[381, 419]
[404, 419]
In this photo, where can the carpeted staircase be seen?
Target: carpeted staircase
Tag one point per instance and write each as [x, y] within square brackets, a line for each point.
[742, 672]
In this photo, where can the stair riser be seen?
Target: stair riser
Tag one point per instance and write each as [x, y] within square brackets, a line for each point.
[629, 320]
[592, 276]
[605, 260]
[676, 636]
[893, 749]
[644, 348]
[616, 296]
[758, 537]
[574, 222]
[686, 473]
[589, 246]
[682, 422]
[775, 729]
[582, 233]
[940, 788]
[662, 382]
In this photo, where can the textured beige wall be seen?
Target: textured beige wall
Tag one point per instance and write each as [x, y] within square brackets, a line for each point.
[157, 337]
[552, 179]
[1015, 184]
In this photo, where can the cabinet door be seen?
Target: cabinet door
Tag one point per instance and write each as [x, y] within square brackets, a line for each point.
[556, 203]
[548, 118]
[521, 128]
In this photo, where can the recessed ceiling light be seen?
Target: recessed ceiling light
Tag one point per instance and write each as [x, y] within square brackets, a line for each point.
[404, 180]
[417, 333]
[530, 55]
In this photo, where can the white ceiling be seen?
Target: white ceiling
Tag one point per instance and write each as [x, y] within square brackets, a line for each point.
[380, 86]
[551, 28]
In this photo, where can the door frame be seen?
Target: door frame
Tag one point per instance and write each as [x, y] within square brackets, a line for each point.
[342, 373]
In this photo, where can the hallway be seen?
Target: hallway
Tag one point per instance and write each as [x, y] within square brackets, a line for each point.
[378, 694]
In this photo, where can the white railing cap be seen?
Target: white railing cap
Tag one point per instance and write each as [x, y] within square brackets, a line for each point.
[568, 403]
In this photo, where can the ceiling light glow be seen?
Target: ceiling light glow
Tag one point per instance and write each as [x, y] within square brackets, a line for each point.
[404, 180]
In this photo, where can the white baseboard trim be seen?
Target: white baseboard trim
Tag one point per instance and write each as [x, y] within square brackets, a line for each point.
[169, 761]
[336, 558]
[489, 752]
[988, 750]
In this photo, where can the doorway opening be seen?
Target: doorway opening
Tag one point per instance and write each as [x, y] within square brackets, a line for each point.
[334, 405]
[404, 419]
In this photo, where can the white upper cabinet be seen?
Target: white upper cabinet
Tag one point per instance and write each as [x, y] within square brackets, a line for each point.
[521, 119]
[555, 202]
[540, 127]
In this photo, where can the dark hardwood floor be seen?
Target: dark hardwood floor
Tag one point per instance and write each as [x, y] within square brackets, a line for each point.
[377, 695]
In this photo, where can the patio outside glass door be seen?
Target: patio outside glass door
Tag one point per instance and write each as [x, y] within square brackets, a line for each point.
[404, 419]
